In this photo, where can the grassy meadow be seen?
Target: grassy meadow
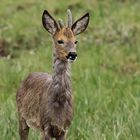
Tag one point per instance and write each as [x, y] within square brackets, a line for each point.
[105, 77]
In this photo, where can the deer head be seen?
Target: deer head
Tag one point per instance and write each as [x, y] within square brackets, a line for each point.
[64, 37]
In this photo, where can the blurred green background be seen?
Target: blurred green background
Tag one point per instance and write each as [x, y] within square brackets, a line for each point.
[105, 77]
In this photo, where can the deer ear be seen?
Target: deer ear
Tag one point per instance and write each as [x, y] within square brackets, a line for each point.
[49, 23]
[81, 24]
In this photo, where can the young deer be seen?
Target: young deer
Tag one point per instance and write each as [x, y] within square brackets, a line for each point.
[45, 101]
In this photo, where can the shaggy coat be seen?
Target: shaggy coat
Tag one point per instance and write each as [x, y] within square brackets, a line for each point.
[45, 102]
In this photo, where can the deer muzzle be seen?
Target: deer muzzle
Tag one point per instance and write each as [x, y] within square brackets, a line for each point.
[72, 56]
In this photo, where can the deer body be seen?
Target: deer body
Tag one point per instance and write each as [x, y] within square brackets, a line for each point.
[44, 101]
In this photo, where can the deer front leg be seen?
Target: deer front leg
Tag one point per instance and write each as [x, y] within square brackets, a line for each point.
[62, 137]
[46, 134]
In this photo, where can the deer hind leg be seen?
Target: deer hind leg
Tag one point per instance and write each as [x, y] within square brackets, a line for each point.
[23, 129]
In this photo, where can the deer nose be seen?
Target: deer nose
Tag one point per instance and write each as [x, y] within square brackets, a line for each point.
[72, 55]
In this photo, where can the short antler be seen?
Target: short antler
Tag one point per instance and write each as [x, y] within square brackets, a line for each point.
[60, 22]
[69, 24]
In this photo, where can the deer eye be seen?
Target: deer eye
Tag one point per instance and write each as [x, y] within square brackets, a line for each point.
[76, 42]
[60, 42]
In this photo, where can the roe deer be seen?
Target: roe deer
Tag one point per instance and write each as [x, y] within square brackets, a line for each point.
[45, 101]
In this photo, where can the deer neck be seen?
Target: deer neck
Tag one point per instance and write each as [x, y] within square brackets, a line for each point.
[61, 80]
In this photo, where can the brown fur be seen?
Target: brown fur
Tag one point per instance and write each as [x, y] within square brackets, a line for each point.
[67, 35]
[45, 102]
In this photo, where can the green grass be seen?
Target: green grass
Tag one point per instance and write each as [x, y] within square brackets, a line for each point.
[105, 76]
